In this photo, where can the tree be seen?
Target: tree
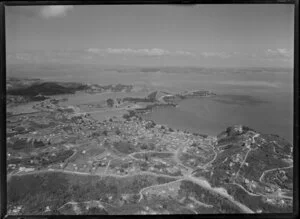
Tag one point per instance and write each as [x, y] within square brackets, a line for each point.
[152, 96]
[118, 131]
[126, 116]
[131, 113]
[150, 124]
[146, 157]
[104, 132]
[144, 146]
[194, 144]
[110, 102]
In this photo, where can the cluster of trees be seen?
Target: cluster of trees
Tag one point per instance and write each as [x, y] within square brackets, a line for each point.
[110, 102]
[46, 88]
[124, 147]
[150, 124]
[118, 132]
[19, 144]
[148, 146]
[137, 99]
[130, 114]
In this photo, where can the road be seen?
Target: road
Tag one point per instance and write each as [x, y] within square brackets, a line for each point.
[177, 160]
[107, 166]
[201, 203]
[278, 195]
[211, 161]
[242, 164]
[156, 186]
[187, 176]
[266, 171]
[222, 192]
[200, 182]
[151, 151]
[255, 136]
[242, 187]
[69, 158]
[246, 156]
[91, 174]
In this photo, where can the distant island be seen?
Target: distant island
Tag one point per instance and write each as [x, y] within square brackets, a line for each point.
[25, 90]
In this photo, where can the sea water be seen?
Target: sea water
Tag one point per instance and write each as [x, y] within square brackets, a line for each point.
[259, 98]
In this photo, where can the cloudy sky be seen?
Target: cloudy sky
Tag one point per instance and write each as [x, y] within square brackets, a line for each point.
[151, 35]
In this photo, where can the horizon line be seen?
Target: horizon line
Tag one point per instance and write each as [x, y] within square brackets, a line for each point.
[154, 66]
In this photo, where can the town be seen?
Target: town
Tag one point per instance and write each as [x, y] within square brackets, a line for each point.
[166, 166]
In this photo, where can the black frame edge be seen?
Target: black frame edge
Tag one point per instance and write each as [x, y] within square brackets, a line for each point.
[3, 194]
[3, 154]
[296, 112]
[109, 2]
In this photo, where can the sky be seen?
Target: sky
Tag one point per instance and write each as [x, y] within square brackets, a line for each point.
[152, 35]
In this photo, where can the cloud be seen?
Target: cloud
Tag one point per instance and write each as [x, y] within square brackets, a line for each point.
[223, 55]
[46, 56]
[55, 10]
[251, 83]
[184, 53]
[139, 52]
[269, 55]
[279, 53]
[23, 56]
[94, 50]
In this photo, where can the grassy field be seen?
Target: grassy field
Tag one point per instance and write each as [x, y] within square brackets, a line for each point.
[254, 202]
[222, 205]
[37, 191]
[259, 161]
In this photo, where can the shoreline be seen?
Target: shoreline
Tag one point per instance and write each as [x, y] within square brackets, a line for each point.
[69, 139]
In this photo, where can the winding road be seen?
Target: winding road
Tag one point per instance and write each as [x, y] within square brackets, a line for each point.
[188, 175]
[266, 171]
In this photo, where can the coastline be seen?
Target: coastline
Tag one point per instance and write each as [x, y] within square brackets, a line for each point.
[111, 146]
